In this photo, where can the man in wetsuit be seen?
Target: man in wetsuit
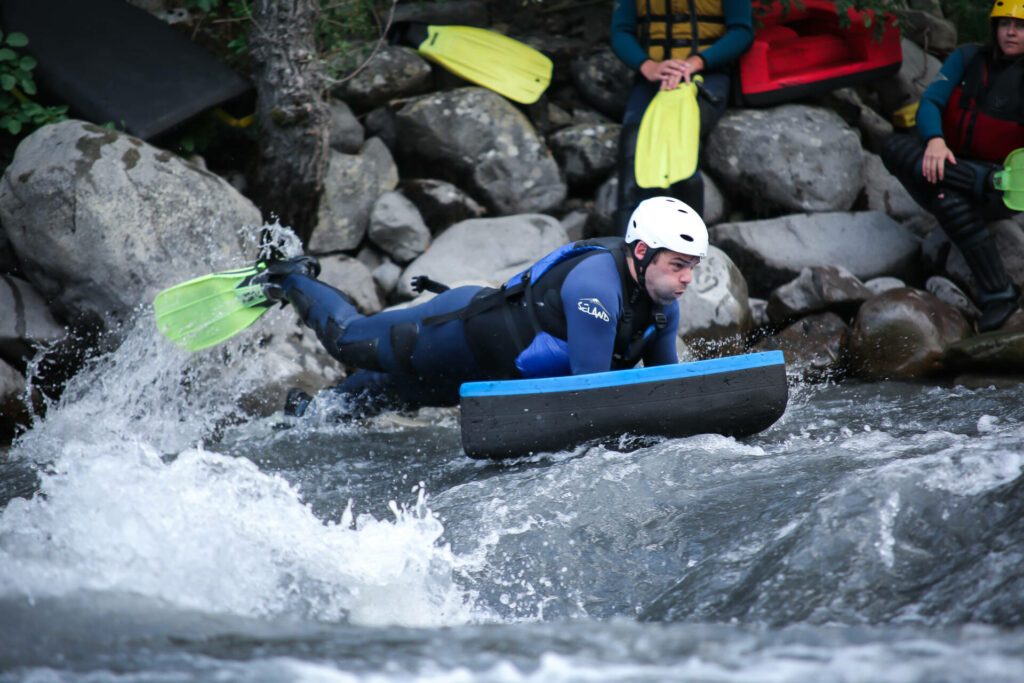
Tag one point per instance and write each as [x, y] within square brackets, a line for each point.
[968, 120]
[591, 306]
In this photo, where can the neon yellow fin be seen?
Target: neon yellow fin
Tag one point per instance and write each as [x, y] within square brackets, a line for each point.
[210, 309]
[490, 59]
[668, 139]
[1011, 180]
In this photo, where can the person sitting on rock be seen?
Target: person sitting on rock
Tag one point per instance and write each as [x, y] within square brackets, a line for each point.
[970, 117]
[590, 306]
[667, 42]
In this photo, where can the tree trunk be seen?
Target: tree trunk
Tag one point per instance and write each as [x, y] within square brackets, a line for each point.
[293, 115]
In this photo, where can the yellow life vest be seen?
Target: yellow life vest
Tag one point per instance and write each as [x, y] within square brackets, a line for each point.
[669, 31]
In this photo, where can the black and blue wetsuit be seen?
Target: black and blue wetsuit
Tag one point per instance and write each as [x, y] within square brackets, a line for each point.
[578, 311]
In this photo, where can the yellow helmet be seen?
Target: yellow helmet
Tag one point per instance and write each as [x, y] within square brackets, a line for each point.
[1008, 8]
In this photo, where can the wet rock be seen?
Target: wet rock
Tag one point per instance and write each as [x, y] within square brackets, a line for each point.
[873, 127]
[817, 289]
[485, 249]
[952, 295]
[397, 227]
[715, 311]
[883, 284]
[386, 275]
[772, 252]
[603, 80]
[814, 346]
[586, 153]
[440, 203]
[25, 321]
[904, 334]
[352, 186]
[13, 410]
[380, 123]
[999, 352]
[345, 132]
[795, 157]
[389, 73]
[487, 146]
[102, 221]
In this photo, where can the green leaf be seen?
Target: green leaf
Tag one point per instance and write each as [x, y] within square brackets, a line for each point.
[12, 125]
[7, 81]
[17, 39]
[28, 86]
[28, 63]
[7, 55]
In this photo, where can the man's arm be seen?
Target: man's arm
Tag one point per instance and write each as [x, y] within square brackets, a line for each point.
[592, 300]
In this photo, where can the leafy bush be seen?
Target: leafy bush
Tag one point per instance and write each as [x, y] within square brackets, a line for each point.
[18, 112]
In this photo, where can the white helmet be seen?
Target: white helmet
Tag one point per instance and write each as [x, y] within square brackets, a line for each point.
[667, 223]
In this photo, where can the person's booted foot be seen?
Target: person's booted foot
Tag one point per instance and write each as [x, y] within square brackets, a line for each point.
[276, 270]
[996, 310]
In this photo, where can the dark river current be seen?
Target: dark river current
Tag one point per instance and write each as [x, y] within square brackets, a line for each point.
[150, 531]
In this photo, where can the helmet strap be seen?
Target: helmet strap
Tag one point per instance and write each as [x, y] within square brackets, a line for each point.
[640, 265]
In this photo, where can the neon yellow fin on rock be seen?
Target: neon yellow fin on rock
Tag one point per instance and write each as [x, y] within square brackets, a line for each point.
[210, 309]
[1011, 180]
[668, 139]
[490, 59]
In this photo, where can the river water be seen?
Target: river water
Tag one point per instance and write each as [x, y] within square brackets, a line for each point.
[151, 531]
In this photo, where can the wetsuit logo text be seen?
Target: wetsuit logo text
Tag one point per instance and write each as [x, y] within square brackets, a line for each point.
[593, 307]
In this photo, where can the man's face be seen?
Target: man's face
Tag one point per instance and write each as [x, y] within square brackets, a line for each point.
[668, 275]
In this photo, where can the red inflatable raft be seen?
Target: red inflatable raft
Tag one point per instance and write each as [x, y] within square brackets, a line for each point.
[804, 52]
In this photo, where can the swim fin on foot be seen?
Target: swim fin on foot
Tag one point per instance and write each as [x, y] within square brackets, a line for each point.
[210, 309]
[668, 140]
[506, 66]
[1011, 180]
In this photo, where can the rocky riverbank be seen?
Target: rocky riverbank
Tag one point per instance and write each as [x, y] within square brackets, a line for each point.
[817, 250]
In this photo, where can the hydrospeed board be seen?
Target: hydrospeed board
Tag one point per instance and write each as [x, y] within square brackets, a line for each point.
[735, 396]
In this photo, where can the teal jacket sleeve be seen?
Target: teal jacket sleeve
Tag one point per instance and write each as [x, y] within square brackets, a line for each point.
[936, 97]
[738, 36]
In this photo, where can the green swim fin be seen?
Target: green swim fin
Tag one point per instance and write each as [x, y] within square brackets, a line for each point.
[506, 66]
[210, 309]
[667, 143]
[1011, 180]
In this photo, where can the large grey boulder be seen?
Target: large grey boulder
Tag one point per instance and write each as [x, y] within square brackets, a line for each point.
[774, 251]
[484, 144]
[101, 221]
[353, 184]
[796, 157]
[715, 308]
[485, 250]
[440, 203]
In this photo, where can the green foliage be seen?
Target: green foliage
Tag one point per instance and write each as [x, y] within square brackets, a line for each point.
[18, 113]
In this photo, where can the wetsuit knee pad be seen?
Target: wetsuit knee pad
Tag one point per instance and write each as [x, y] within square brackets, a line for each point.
[361, 354]
[403, 342]
[959, 217]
